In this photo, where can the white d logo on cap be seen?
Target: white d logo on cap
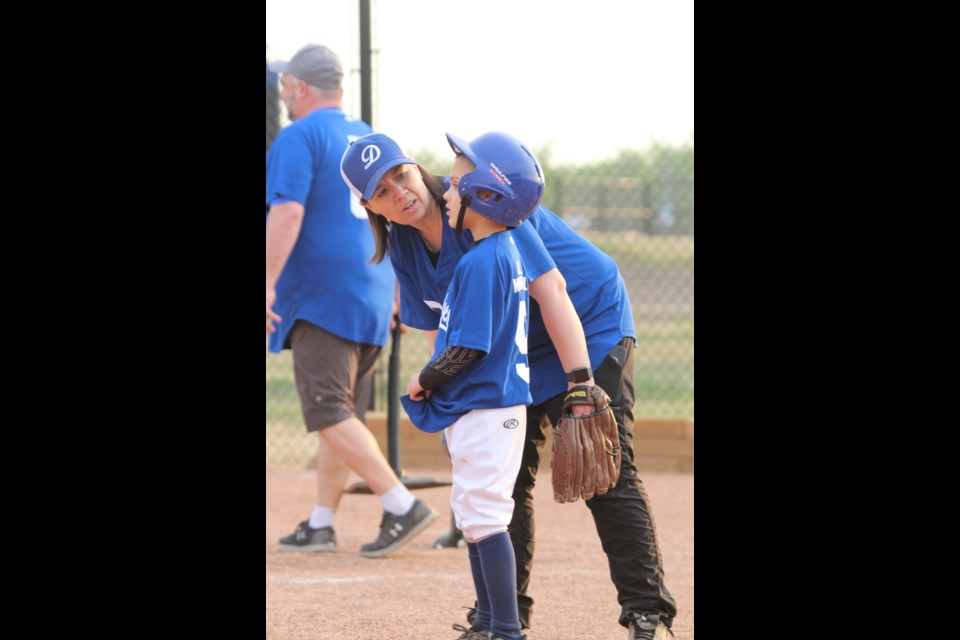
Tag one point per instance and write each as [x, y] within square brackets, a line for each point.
[370, 154]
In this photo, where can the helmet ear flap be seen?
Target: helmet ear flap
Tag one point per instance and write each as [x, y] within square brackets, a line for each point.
[464, 203]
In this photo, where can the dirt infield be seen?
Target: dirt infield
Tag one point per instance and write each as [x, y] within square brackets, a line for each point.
[418, 592]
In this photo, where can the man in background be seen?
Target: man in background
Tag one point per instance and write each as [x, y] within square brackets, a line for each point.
[327, 303]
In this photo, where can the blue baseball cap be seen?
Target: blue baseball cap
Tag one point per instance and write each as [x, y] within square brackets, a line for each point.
[367, 160]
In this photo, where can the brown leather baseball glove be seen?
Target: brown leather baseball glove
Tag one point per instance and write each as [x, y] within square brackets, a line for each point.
[586, 449]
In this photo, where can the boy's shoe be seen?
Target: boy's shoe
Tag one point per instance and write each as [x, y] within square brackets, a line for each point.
[306, 538]
[475, 633]
[396, 531]
[648, 627]
[475, 627]
[472, 633]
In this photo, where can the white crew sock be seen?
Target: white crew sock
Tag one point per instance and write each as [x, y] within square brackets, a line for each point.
[398, 500]
[321, 517]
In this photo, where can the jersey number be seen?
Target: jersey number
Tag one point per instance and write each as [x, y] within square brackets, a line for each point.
[355, 207]
[523, 370]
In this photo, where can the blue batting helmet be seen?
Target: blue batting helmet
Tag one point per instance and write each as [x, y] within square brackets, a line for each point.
[505, 167]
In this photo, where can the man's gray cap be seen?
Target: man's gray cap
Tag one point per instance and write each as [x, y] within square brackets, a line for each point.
[314, 64]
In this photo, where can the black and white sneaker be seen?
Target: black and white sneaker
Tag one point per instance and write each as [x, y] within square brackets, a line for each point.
[489, 634]
[469, 633]
[396, 531]
[648, 627]
[474, 631]
[306, 538]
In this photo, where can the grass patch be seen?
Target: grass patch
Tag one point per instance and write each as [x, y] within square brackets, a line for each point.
[663, 361]
[636, 249]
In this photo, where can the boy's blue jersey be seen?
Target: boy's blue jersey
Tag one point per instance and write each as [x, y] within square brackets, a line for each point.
[544, 241]
[485, 309]
[327, 280]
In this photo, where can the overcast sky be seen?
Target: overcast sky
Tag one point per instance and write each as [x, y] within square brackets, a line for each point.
[604, 75]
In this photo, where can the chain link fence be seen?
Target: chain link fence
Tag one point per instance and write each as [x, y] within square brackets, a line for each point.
[637, 207]
[273, 106]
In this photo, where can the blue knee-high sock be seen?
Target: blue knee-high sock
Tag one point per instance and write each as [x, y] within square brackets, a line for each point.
[500, 575]
[483, 602]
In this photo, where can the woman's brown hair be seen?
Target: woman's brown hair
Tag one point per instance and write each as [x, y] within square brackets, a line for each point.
[381, 226]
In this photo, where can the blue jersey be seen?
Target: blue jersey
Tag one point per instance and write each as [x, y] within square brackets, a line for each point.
[594, 284]
[485, 308]
[422, 285]
[327, 279]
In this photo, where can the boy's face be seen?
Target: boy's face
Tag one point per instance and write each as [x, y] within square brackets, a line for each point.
[461, 166]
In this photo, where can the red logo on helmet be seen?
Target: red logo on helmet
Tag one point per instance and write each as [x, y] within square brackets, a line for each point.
[495, 170]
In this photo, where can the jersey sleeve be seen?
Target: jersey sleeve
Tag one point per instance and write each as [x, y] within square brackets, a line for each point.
[536, 259]
[289, 168]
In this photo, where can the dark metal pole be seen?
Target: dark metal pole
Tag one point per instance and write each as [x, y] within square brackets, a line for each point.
[366, 114]
[393, 402]
[366, 71]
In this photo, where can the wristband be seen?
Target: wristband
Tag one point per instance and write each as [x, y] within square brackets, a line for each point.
[580, 375]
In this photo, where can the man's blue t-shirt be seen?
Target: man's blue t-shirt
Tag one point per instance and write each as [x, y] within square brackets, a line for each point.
[327, 280]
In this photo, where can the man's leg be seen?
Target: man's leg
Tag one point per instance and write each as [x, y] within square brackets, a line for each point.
[356, 447]
[333, 379]
[332, 475]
